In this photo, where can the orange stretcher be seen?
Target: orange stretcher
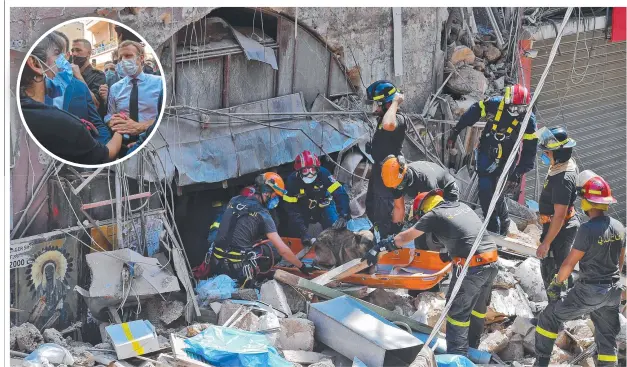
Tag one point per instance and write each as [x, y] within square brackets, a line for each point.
[405, 268]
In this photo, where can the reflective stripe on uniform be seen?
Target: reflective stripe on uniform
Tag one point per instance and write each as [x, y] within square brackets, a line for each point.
[529, 136]
[500, 153]
[482, 105]
[607, 358]
[478, 314]
[457, 323]
[546, 333]
[302, 191]
[290, 199]
[215, 225]
[497, 117]
[511, 128]
[336, 185]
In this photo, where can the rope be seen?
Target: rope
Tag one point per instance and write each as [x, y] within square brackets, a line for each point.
[500, 183]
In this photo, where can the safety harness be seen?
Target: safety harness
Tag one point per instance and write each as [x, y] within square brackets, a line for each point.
[499, 135]
[320, 202]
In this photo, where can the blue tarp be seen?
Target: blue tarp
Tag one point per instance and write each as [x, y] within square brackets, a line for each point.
[451, 360]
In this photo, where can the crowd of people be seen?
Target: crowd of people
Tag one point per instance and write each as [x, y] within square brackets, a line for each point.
[85, 115]
[313, 195]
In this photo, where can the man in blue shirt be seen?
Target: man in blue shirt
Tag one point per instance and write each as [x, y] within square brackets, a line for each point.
[133, 103]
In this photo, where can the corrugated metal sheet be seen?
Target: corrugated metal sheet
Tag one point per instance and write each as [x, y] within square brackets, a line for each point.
[590, 102]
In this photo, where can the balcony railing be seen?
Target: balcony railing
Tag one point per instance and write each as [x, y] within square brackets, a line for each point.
[99, 49]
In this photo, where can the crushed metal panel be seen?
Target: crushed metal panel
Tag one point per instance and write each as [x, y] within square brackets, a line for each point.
[199, 84]
[249, 81]
[255, 50]
[354, 331]
[312, 67]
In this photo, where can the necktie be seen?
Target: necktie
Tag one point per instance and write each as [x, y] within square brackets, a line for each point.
[134, 103]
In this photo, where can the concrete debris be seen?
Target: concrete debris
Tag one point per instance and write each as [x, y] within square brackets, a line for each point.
[269, 323]
[529, 341]
[582, 331]
[323, 363]
[564, 341]
[171, 311]
[479, 50]
[13, 338]
[272, 293]
[491, 53]
[495, 342]
[84, 359]
[528, 274]
[510, 302]
[299, 356]
[393, 299]
[560, 356]
[467, 80]
[195, 329]
[538, 307]
[462, 105]
[462, 54]
[295, 299]
[622, 335]
[522, 326]
[479, 65]
[27, 337]
[499, 83]
[534, 231]
[226, 311]
[247, 294]
[504, 280]
[514, 350]
[54, 336]
[508, 265]
[429, 307]
[296, 334]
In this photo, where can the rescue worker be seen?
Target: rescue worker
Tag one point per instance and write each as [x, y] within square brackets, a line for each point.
[600, 251]
[314, 196]
[456, 225]
[503, 115]
[556, 203]
[387, 139]
[409, 179]
[247, 220]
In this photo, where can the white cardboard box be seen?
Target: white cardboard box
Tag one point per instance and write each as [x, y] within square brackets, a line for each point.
[133, 338]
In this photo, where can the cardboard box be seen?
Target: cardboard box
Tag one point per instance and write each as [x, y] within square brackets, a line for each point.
[133, 338]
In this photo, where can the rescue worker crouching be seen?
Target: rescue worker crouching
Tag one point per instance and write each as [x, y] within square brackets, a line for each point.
[387, 139]
[456, 225]
[313, 195]
[503, 115]
[245, 221]
[600, 251]
[556, 204]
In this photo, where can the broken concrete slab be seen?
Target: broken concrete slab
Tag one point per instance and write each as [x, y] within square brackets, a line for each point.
[171, 311]
[499, 83]
[296, 334]
[27, 337]
[227, 310]
[468, 81]
[522, 326]
[504, 280]
[323, 363]
[564, 341]
[528, 274]
[495, 342]
[299, 356]
[514, 350]
[13, 338]
[510, 302]
[429, 306]
[248, 294]
[393, 300]
[295, 299]
[462, 54]
[581, 331]
[508, 265]
[267, 323]
[272, 293]
[559, 356]
[492, 53]
[54, 336]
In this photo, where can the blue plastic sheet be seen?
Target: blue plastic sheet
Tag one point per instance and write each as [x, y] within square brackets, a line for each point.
[222, 347]
[452, 360]
[359, 224]
[214, 289]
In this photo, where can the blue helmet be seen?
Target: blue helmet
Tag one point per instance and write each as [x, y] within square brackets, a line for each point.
[381, 91]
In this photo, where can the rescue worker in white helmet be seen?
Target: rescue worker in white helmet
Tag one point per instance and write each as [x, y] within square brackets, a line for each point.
[456, 226]
[503, 117]
[245, 222]
[387, 139]
[600, 251]
[313, 195]
[557, 201]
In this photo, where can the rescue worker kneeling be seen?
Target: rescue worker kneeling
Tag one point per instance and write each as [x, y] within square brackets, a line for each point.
[600, 251]
[245, 221]
[456, 225]
[314, 196]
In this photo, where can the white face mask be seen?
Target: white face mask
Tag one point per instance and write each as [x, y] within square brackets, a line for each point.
[309, 179]
[129, 66]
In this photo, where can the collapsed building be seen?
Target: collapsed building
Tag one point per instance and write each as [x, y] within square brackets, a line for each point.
[249, 89]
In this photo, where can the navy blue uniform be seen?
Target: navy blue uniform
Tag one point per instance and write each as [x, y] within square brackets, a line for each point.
[495, 146]
[323, 201]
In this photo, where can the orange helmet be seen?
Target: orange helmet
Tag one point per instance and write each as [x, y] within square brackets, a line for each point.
[270, 180]
[425, 201]
[393, 171]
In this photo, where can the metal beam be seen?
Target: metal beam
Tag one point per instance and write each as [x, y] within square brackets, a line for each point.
[398, 42]
[87, 181]
[495, 26]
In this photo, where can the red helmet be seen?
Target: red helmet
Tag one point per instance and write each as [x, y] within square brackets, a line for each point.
[596, 190]
[248, 191]
[423, 205]
[306, 159]
[517, 94]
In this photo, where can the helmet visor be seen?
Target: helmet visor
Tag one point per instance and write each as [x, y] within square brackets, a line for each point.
[546, 139]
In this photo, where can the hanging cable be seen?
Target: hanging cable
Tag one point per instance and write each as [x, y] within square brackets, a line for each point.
[500, 183]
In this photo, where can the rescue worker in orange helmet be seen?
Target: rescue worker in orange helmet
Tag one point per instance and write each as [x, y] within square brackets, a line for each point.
[457, 226]
[387, 139]
[247, 220]
[600, 251]
[504, 115]
[557, 201]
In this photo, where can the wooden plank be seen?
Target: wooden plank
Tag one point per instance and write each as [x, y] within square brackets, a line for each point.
[108, 202]
[342, 271]
[328, 293]
[303, 357]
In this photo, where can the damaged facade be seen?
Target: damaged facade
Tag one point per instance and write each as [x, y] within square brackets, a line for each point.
[247, 90]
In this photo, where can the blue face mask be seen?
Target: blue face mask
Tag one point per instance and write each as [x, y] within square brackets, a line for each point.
[119, 70]
[545, 159]
[273, 203]
[55, 87]
[109, 74]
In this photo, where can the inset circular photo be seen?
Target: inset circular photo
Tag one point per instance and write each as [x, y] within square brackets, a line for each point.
[91, 92]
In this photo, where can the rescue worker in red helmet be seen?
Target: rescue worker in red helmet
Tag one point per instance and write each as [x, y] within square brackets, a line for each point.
[503, 116]
[600, 251]
[313, 195]
[456, 226]
[247, 220]
[557, 201]
[387, 139]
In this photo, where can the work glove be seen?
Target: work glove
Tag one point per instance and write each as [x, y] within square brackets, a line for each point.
[307, 269]
[444, 256]
[307, 240]
[91, 128]
[372, 256]
[397, 228]
[555, 289]
[512, 183]
[340, 223]
[450, 142]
